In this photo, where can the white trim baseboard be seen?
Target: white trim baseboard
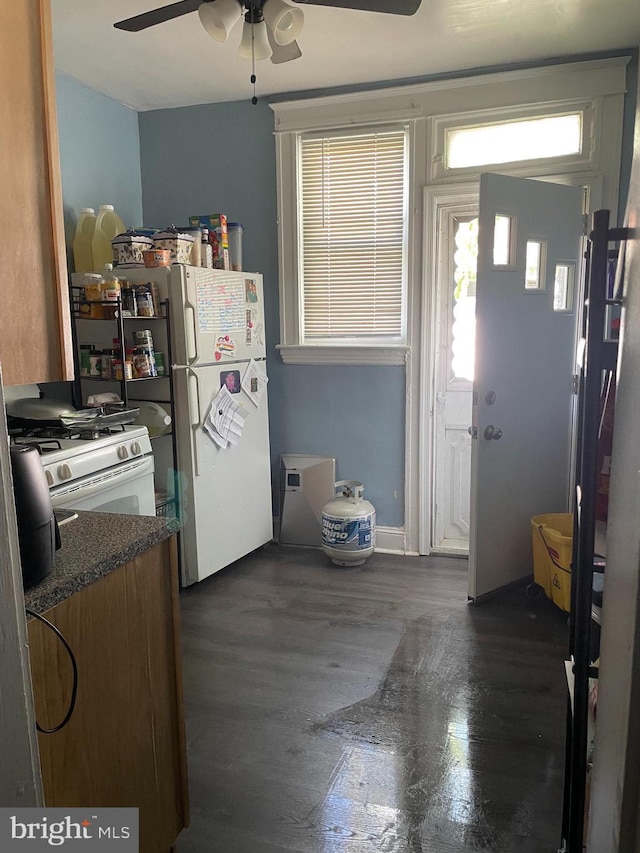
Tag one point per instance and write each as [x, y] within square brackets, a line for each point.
[392, 540]
[389, 540]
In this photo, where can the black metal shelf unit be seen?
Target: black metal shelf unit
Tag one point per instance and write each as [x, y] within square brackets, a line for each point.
[131, 390]
[599, 359]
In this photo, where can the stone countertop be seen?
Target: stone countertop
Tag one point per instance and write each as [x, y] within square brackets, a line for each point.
[93, 545]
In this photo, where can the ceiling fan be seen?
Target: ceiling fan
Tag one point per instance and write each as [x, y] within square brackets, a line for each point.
[270, 27]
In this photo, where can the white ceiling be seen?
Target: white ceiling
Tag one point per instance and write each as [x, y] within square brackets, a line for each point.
[177, 64]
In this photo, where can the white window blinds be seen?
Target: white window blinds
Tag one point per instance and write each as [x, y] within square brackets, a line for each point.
[352, 236]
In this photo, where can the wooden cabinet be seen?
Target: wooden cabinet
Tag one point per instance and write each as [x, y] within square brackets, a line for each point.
[124, 744]
[35, 330]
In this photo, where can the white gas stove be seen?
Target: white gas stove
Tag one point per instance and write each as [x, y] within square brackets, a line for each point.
[80, 457]
[108, 472]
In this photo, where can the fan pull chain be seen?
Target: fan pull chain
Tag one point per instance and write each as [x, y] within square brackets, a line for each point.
[254, 99]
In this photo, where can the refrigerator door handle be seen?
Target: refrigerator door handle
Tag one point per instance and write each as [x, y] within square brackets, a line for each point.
[194, 415]
[190, 332]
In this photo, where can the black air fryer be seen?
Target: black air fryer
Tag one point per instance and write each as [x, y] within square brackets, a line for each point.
[37, 527]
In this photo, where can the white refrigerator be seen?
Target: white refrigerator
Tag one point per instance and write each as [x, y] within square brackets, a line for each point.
[218, 339]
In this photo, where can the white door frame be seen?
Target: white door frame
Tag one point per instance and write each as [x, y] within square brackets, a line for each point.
[420, 386]
[435, 199]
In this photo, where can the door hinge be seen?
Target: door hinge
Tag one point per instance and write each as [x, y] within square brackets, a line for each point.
[585, 224]
[575, 383]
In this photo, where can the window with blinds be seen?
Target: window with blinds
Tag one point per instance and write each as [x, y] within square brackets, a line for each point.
[352, 227]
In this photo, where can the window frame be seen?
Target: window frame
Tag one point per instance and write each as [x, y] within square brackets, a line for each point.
[361, 341]
[593, 86]
[584, 160]
[292, 347]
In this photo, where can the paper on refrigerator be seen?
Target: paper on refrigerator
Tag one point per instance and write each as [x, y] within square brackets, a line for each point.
[254, 382]
[225, 419]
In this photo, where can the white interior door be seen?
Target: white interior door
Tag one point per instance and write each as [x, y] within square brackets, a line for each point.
[529, 249]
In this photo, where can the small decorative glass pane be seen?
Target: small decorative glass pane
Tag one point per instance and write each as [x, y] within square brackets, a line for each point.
[463, 330]
[563, 287]
[502, 241]
[534, 280]
[514, 141]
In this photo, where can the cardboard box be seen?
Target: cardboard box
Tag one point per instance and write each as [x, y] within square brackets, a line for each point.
[218, 237]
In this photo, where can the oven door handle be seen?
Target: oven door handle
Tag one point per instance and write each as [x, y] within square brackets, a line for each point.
[94, 485]
[194, 416]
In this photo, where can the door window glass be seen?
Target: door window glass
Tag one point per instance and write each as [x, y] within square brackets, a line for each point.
[503, 234]
[463, 330]
[535, 262]
[563, 287]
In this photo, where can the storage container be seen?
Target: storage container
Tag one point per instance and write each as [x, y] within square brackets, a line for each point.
[235, 231]
[82, 252]
[195, 255]
[157, 258]
[552, 549]
[108, 225]
[128, 248]
[179, 244]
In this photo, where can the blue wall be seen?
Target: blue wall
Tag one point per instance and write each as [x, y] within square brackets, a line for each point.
[99, 154]
[221, 158]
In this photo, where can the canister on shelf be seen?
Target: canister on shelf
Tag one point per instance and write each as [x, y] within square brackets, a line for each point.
[118, 369]
[160, 364]
[128, 298]
[206, 250]
[144, 302]
[107, 364]
[95, 363]
[143, 363]
[93, 287]
[85, 360]
[143, 338]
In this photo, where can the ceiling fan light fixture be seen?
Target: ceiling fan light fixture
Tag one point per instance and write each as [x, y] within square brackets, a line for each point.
[218, 17]
[261, 46]
[284, 21]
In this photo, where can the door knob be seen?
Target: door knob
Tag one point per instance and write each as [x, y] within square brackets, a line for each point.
[491, 432]
[473, 431]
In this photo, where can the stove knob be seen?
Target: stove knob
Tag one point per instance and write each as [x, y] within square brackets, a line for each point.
[123, 453]
[64, 472]
[49, 477]
[135, 448]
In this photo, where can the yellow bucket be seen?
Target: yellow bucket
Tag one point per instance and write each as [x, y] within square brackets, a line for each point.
[552, 547]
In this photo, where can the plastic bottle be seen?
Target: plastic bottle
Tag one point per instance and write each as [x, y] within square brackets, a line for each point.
[110, 292]
[82, 241]
[93, 283]
[234, 232]
[108, 226]
[154, 417]
[206, 250]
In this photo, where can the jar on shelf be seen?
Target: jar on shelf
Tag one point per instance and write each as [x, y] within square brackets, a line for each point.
[85, 359]
[95, 364]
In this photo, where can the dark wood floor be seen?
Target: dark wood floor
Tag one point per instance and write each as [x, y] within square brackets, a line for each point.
[334, 710]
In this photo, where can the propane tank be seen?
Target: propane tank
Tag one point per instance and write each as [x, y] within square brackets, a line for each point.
[348, 525]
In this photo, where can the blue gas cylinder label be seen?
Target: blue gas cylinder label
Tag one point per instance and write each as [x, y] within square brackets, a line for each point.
[349, 534]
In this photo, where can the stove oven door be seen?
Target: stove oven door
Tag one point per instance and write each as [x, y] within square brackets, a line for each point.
[126, 489]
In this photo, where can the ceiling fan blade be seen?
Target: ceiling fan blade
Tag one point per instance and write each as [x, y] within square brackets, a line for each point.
[283, 52]
[158, 16]
[390, 7]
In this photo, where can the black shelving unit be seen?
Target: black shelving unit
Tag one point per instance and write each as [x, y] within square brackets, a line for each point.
[130, 390]
[599, 360]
